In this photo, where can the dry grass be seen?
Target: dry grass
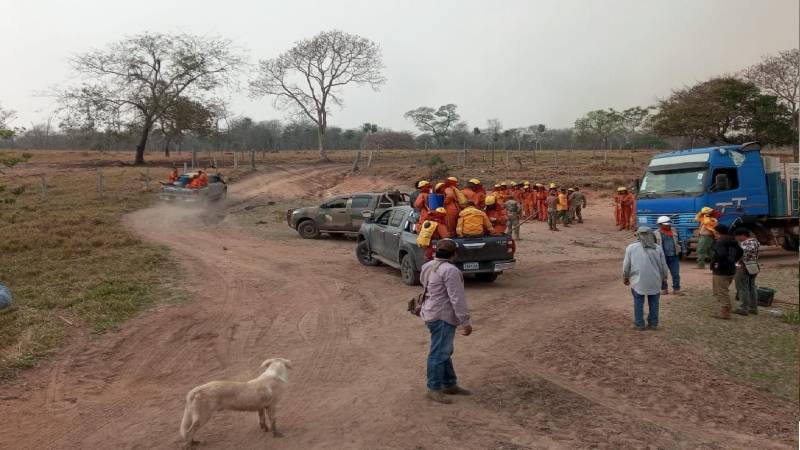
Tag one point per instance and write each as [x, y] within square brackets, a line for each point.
[760, 349]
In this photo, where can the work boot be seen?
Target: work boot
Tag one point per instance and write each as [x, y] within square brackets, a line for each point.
[754, 311]
[724, 313]
[456, 390]
[741, 312]
[665, 292]
[677, 292]
[438, 397]
[652, 327]
[639, 327]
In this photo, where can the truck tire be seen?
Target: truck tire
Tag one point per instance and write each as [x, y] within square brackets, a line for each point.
[486, 277]
[408, 273]
[790, 243]
[308, 229]
[364, 256]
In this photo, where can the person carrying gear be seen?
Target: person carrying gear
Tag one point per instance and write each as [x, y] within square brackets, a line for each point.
[541, 202]
[412, 197]
[707, 232]
[562, 207]
[502, 193]
[421, 202]
[670, 242]
[497, 215]
[475, 193]
[513, 210]
[577, 201]
[626, 203]
[618, 207]
[451, 203]
[552, 208]
[173, 176]
[472, 222]
[201, 180]
[436, 228]
[528, 200]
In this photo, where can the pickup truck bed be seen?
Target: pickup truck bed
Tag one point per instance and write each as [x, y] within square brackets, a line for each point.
[390, 239]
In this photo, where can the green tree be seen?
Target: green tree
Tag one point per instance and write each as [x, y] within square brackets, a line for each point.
[600, 124]
[435, 122]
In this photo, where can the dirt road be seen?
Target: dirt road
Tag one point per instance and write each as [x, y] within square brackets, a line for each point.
[553, 360]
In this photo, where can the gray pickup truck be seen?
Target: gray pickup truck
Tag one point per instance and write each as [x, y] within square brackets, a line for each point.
[178, 191]
[342, 214]
[390, 239]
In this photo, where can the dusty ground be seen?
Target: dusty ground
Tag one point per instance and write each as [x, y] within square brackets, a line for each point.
[553, 360]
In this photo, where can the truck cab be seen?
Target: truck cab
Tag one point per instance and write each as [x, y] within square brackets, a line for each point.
[744, 188]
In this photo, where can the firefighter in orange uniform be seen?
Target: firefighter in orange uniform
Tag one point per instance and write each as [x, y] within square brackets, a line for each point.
[173, 176]
[497, 215]
[627, 204]
[421, 203]
[475, 193]
[541, 202]
[201, 180]
[451, 203]
[439, 215]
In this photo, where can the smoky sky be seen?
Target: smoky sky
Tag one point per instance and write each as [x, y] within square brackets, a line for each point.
[524, 62]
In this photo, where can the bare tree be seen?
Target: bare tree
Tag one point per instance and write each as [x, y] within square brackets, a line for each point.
[779, 76]
[437, 122]
[494, 127]
[137, 80]
[308, 78]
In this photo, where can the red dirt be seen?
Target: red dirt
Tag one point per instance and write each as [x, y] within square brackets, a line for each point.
[553, 360]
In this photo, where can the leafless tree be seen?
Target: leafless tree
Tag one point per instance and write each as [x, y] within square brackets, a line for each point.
[494, 128]
[137, 80]
[436, 122]
[308, 78]
[779, 76]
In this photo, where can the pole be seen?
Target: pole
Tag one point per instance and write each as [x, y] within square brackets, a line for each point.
[235, 160]
[44, 188]
[252, 160]
[355, 162]
[194, 158]
[100, 183]
[185, 169]
[147, 178]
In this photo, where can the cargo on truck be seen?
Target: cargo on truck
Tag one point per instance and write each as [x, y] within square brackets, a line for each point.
[745, 188]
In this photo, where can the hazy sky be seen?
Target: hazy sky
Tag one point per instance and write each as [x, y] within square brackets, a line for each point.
[523, 62]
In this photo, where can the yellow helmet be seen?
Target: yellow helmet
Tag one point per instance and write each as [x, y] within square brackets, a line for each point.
[438, 185]
[553, 186]
[452, 179]
[496, 186]
[513, 183]
[441, 210]
[526, 183]
[422, 183]
[503, 183]
[490, 200]
[706, 210]
[622, 188]
[475, 181]
[571, 189]
[539, 185]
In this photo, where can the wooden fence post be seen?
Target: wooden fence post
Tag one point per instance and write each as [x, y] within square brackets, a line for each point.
[252, 160]
[235, 160]
[355, 162]
[100, 183]
[44, 188]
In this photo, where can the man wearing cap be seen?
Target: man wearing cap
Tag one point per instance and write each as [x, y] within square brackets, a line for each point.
[670, 242]
[552, 207]
[475, 193]
[541, 202]
[707, 232]
[644, 269]
[513, 209]
[497, 215]
[444, 309]
[562, 207]
[421, 201]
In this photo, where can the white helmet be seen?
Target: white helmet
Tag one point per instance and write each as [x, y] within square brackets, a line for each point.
[664, 220]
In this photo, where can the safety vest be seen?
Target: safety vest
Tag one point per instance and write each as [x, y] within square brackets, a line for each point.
[426, 233]
[471, 222]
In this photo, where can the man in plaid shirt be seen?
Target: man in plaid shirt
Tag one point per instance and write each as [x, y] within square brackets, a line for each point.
[746, 272]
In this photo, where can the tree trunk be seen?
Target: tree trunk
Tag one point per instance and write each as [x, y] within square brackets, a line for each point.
[323, 154]
[166, 147]
[148, 125]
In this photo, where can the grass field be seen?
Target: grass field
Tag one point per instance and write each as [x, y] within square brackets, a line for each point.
[760, 349]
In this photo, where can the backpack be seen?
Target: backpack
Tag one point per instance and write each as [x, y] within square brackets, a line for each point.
[462, 199]
[426, 233]
[415, 304]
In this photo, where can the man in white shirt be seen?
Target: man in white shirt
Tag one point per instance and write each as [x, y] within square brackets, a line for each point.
[644, 269]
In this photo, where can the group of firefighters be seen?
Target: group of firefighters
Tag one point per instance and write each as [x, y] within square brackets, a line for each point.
[197, 181]
[446, 210]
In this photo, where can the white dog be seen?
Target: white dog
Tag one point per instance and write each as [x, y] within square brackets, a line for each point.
[259, 394]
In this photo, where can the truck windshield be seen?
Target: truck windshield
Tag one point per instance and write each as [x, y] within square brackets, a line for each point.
[671, 183]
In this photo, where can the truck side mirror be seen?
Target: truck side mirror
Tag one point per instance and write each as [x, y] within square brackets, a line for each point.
[721, 182]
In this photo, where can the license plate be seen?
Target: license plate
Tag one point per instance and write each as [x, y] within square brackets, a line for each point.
[472, 266]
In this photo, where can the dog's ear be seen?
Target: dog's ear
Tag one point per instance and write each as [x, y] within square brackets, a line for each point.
[267, 362]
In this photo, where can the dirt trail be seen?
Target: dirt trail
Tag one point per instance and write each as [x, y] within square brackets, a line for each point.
[553, 361]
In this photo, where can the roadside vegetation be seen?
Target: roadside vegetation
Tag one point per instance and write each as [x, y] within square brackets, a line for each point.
[70, 262]
[759, 349]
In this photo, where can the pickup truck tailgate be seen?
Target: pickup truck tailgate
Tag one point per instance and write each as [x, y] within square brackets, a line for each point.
[483, 249]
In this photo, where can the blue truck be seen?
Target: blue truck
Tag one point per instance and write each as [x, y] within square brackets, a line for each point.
[745, 188]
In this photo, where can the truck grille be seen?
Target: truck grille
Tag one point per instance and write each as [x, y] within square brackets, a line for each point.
[684, 223]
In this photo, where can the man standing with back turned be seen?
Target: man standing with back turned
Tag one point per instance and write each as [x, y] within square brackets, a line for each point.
[644, 269]
[444, 309]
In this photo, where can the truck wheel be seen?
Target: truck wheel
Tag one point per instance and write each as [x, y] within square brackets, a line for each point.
[486, 277]
[308, 229]
[408, 273]
[790, 243]
[364, 255]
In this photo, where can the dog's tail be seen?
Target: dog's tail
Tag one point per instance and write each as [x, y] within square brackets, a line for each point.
[187, 415]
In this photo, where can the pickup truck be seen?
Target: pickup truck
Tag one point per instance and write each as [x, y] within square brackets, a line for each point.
[390, 239]
[342, 214]
[216, 189]
[747, 189]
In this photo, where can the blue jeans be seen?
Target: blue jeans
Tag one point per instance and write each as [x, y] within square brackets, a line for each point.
[638, 309]
[440, 367]
[674, 264]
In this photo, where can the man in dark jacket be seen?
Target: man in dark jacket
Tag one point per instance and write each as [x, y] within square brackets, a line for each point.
[726, 254]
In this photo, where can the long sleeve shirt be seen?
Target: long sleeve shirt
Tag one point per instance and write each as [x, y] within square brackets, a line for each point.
[645, 267]
[727, 254]
[445, 299]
